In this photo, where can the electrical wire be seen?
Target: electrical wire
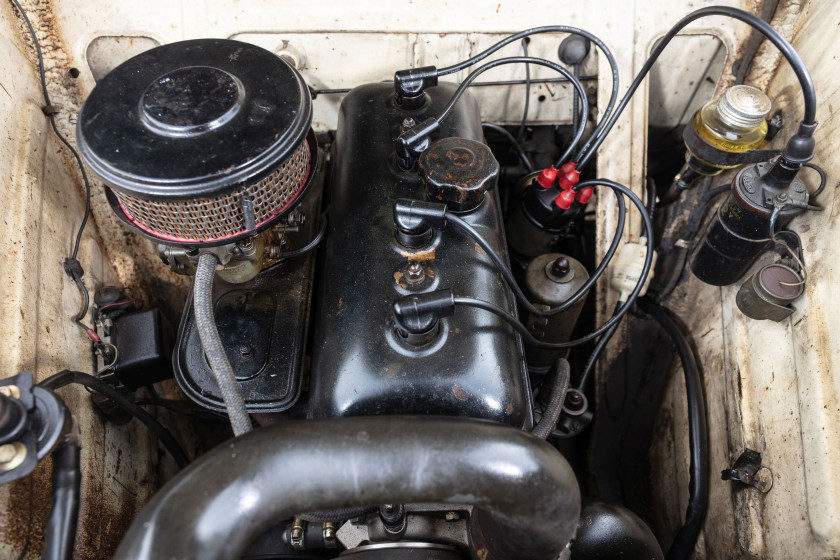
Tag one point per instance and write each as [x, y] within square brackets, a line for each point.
[698, 438]
[507, 275]
[523, 60]
[49, 112]
[113, 360]
[493, 83]
[303, 250]
[619, 314]
[526, 161]
[118, 304]
[575, 109]
[806, 82]
[552, 29]
[86, 303]
[823, 179]
[596, 352]
[311, 245]
[528, 92]
[67, 377]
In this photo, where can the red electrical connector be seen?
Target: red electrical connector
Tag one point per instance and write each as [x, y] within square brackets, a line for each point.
[546, 178]
[565, 199]
[569, 176]
[584, 194]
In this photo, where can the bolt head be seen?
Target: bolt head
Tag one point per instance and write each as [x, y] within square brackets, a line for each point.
[244, 349]
[12, 455]
[408, 122]
[452, 516]
[10, 391]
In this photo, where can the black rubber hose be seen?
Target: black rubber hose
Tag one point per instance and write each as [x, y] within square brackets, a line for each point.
[60, 534]
[66, 377]
[787, 50]
[548, 422]
[526, 497]
[698, 485]
[205, 322]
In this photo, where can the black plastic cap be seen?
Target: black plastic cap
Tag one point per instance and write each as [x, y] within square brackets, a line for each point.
[420, 313]
[414, 217]
[800, 148]
[458, 171]
[410, 84]
[193, 119]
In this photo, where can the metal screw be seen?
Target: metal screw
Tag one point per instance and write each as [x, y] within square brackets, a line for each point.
[782, 196]
[244, 349]
[10, 391]
[12, 455]
[408, 122]
[415, 273]
[329, 531]
[452, 516]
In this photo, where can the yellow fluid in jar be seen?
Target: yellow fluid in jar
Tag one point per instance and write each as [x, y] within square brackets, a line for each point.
[723, 136]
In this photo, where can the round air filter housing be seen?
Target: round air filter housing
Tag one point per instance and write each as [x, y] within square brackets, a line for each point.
[200, 142]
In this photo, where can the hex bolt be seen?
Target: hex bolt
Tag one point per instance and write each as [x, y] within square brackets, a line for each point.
[12, 455]
[244, 349]
[408, 122]
[782, 197]
[452, 516]
[415, 273]
[11, 391]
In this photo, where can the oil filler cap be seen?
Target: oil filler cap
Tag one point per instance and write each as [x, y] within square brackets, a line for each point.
[458, 171]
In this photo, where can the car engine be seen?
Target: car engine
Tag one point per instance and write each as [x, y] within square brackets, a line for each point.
[390, 328]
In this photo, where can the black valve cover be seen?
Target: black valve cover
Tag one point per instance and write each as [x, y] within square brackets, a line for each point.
[474, 366]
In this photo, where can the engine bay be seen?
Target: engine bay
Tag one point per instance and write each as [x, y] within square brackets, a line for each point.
[394, 340]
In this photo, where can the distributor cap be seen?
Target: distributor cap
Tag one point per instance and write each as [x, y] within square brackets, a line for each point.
[193, 119]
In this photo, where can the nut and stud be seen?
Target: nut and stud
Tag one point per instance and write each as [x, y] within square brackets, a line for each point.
[415, 274]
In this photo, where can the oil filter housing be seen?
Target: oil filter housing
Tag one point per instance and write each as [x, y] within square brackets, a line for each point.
[200, 142]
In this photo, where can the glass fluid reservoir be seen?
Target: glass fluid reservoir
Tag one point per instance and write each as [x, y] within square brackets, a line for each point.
[734, 123]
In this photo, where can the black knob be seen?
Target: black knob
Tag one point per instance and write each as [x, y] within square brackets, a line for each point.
[457, 172]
